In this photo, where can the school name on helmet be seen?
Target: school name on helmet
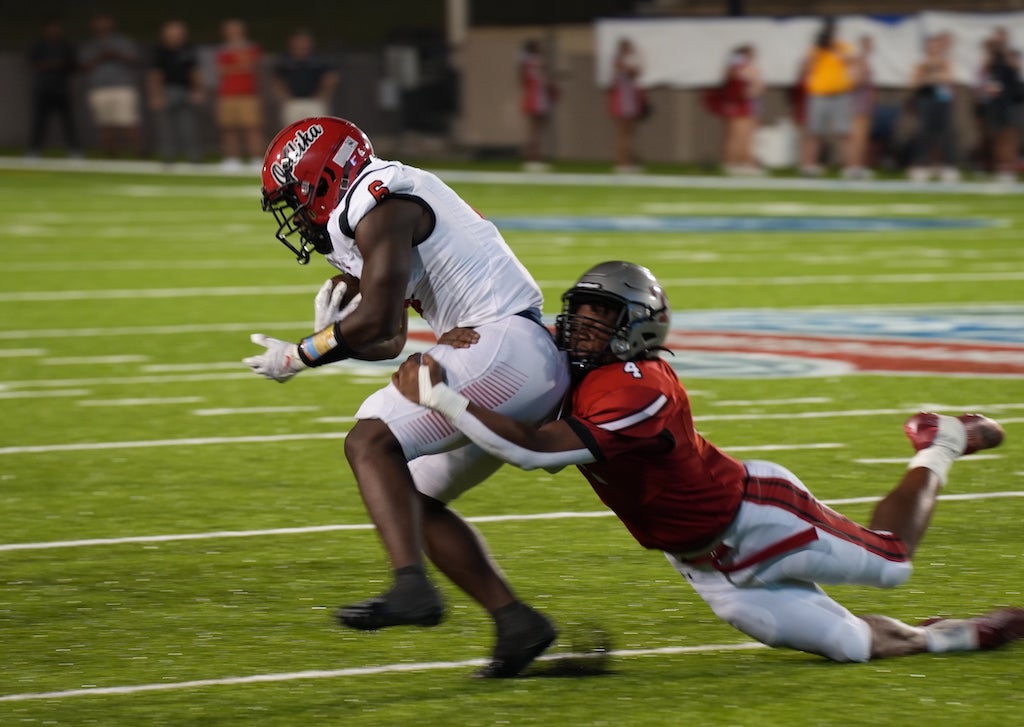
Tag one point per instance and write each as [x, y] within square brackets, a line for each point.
[293, 151]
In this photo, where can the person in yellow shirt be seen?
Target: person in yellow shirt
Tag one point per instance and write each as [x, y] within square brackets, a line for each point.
[829, 78]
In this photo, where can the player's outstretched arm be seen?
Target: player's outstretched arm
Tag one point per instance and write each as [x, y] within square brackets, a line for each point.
[551, 446]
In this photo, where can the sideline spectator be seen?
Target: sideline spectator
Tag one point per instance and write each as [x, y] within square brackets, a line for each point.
[1002, 94]
[303, 80]
[175, 92]
[863, 107]
[829, 82]
[738, 105]
[537, 102]
[932, 85]
[627, 104]
[239, 114]
[110, 61]
[52, 60]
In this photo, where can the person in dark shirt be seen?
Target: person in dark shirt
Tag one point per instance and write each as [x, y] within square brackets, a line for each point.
[53, 61]
[303, 80]
[175, 92]
[1001, 95]
[110, 62]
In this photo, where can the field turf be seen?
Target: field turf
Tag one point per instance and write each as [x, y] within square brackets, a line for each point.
[177, 532]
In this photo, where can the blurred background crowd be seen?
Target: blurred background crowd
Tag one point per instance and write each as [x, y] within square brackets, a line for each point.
[826, 87]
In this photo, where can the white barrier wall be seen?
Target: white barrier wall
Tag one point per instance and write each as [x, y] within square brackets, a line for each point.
[687, 53]
[681, 56]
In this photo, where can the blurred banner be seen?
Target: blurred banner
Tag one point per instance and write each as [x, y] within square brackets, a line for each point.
[689, 53]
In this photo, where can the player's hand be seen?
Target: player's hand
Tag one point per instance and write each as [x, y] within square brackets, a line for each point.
[459, 338]
[327, 302]
[407, 378]
[279, 362]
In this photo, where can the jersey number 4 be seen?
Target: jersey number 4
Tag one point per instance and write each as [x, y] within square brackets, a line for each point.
[632, 369]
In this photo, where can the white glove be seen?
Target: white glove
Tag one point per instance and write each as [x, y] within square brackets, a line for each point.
[279, 362]
[326, 302]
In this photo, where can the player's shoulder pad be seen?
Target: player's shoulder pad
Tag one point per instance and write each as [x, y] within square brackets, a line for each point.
[626, 375]
[376, 183]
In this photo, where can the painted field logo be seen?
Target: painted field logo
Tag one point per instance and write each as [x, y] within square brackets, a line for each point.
[750, 344]
[780, 343]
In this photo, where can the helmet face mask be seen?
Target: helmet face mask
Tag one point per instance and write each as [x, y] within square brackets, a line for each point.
[307, 169]
[637, 330]
[289, 214]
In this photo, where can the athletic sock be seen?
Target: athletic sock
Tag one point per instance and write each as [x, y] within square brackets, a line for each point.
[949, 443]
[951, 635]
[510, 615]
[412, 588]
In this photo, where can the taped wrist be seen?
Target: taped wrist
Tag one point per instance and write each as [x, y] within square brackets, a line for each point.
[324, 347]
[440, 397]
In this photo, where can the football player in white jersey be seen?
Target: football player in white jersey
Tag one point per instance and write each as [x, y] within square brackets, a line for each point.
[402, 238]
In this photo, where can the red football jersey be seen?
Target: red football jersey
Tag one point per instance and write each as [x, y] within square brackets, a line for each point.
[673, 490]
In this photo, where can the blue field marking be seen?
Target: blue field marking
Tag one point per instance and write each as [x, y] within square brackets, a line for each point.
[710, 223]
[967, 324]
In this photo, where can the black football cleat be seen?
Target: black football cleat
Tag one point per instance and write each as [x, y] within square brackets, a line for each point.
[377, 613]
[522, 637]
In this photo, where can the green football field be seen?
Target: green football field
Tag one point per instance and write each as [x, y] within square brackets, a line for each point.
[177, 532]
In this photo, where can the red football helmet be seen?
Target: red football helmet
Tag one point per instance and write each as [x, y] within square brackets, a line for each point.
[307, 168]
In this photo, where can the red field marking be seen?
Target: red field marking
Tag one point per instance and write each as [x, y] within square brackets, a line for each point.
[865, 354]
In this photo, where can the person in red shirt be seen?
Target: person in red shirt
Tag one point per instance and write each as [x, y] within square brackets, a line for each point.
[627, 103]
[537, 101]
[740, 100]
[239, 109]
[748, 536]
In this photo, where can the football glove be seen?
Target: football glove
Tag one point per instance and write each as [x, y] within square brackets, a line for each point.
[279, 362]
[327, 302]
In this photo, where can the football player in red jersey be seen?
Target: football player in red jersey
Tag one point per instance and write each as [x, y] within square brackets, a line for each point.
[748, 536]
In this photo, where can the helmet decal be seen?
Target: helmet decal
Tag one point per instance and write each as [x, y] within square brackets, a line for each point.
[293, 151]
[345, 151]
[307, 169]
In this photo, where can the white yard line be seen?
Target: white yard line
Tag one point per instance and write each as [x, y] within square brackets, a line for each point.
[42, 394]
[44, 296]
[185, 442]
[355, 672]
[94, 360]
[21, 352]
[770, 402]
[202, 441]
[183, 329]
[903, 460]
[348, 527]
[49, 296]
[791, 280]
[243, 373]
[856, 412]
[253, 410]
[142, 401]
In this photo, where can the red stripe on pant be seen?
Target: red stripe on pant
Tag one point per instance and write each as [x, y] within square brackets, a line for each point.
[784, 494]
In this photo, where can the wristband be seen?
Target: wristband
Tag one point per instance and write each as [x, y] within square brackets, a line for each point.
[323, 347]
[440, 397]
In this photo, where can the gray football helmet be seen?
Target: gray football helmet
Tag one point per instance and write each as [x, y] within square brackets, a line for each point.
[643, 321]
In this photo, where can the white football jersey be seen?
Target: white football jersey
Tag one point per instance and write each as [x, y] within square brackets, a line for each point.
[463, 273]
